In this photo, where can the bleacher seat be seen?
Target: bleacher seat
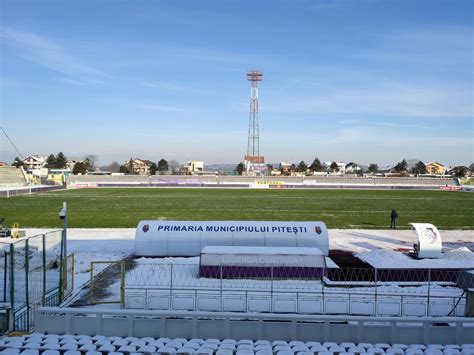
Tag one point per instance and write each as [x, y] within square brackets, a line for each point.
[51, 344]
[11, 176]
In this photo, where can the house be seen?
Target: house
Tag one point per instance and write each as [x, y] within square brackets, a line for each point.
[340, 166]
[195, 167]
[71, 161]
[435, 168]
[352, 168]
[138, 166]
[33, 162]
[285, 168]
[387, 169]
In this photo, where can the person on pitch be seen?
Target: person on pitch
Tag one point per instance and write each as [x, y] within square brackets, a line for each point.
[393, 219]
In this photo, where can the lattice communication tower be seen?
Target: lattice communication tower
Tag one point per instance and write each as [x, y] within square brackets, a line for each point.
[253, 157]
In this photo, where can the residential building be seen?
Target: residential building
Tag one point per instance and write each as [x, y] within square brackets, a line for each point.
[435, 168]
[138, 166]
[32, 162]
[387, 169]
[195, 167]
[285, 168]
[71, 161]
[341, 167]
[352, 168]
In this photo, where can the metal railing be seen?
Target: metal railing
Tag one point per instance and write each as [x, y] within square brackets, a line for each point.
[421, 330]
[165, 286]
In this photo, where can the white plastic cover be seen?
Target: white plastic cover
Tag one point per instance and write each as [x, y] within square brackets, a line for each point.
[429, 240]
[187, 238]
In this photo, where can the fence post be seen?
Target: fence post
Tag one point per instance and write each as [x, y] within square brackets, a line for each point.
[429, 291]
[72, 271]
[222, 301]
[376, 289]
[171, 287]
[271, 289]
[323, 307]
[27, 281]
[122, 284]
[12, 282]
[91, 287]
[5, 276]
[43, 296]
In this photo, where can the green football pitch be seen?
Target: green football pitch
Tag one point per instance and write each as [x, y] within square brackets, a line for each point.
[124, 207]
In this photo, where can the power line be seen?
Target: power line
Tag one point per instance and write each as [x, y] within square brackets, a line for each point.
[13, 144]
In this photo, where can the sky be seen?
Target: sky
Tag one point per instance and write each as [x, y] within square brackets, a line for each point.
[365, 81]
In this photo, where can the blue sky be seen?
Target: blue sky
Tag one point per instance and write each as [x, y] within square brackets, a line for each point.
[364, 81]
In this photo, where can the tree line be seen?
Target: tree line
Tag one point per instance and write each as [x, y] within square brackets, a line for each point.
[60, 161]
[162, 167]
[373, 168]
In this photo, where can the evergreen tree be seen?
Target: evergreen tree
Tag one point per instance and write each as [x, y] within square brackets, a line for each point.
[18, 162]
[80, 168]
[240, 168]
[153, 169]
[420, 168]
[373, 168]
[51, 162]
[401, 166]
[123, 169]
[334, 167]
[302, 167]
[163, 166]
[459, 171]
[61, 161]
[316, 165]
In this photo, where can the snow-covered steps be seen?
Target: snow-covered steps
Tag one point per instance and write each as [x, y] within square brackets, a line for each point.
[52, 344]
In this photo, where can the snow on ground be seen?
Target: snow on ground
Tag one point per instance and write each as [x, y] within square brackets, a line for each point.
[388, 259]
[116, 244]
[360, 240]
[102, 244]
[112, 244]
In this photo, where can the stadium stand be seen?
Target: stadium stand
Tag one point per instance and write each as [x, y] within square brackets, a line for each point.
[244, 181]
[53, 344]
[254, 326]
[12, 176]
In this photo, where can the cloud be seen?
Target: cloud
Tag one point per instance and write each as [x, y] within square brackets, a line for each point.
[48, 53]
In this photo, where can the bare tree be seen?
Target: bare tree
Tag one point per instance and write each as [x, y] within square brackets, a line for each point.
[92, 160]
[113, 167]
[174, 167]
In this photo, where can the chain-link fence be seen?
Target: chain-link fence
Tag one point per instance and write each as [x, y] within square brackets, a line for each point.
[31, 276]
[106, 282]
[161, 284]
